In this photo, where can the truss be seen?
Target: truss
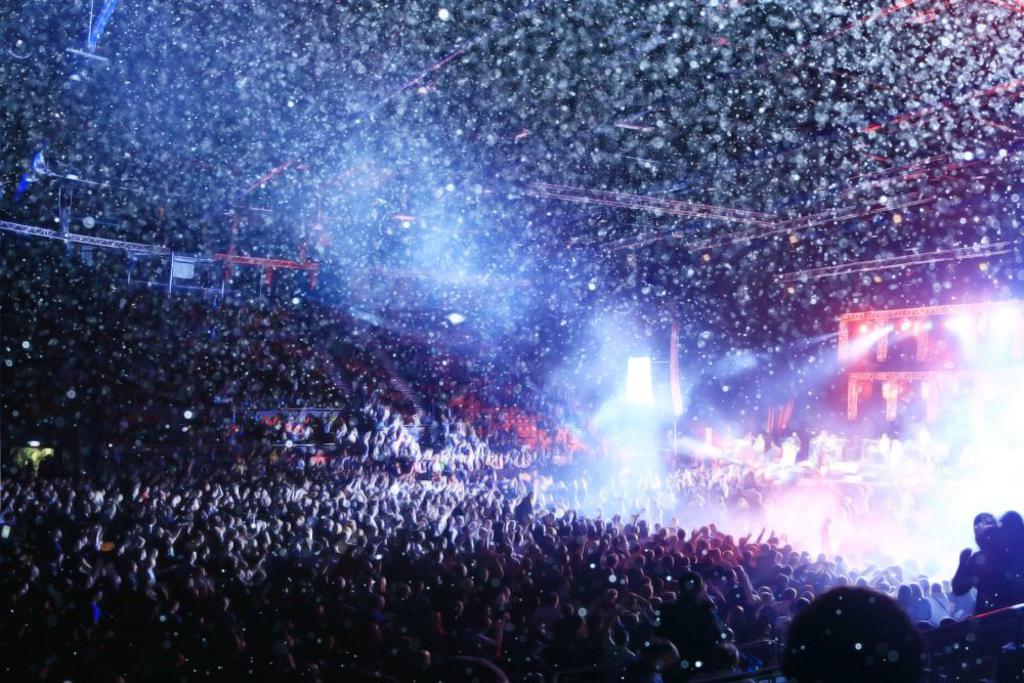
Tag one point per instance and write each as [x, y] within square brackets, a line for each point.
[106, 243]
[936, 379]
[891, 262]
[758, 225]
[138, 249]
[660, 205]
[931, 311]
[840, 214]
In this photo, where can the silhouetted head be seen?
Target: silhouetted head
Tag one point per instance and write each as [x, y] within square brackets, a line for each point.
[982, 522]
[851, 635]
[1012, 525]
[903, 596]
[989, 538]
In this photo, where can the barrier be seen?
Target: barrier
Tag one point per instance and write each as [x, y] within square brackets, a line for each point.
[614, 674]
[985, 647]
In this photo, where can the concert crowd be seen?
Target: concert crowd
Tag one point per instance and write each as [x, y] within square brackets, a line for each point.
[355, 535]
[210, 566]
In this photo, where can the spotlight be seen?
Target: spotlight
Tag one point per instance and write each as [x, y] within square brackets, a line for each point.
[1005, 321]
[958, 323]
[863, 328]
[639, 387]
[456, 318]
[905, 325]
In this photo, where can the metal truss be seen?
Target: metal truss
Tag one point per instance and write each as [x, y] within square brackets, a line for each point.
[929, 311]
[77, 238]
[138, 249]
[888, 263]
[829, 216]
[670, 207]
[759, 225]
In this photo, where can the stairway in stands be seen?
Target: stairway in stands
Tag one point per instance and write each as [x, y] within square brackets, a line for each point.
[330, 366]
[397, 382]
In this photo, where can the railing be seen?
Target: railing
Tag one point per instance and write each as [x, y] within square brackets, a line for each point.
[771, 674]
[613, 674]
[588, 674]
[762, 654]
[759, 653]
[988, 646]
[985, 647]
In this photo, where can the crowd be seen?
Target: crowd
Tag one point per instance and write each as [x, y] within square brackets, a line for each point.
[372, 430]
[198, 567]
[349, 539]
[95, 364]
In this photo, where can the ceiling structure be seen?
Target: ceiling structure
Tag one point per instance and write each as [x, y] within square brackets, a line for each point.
[740, 165]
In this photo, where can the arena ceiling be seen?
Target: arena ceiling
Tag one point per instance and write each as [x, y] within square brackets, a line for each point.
[455, 156]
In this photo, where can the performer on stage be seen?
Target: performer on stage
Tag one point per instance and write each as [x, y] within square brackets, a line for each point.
[790, 450]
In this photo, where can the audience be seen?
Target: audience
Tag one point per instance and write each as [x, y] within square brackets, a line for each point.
[179, 567]
[324, 526]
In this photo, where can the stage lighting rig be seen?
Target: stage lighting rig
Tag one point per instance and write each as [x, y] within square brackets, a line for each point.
[97, 24]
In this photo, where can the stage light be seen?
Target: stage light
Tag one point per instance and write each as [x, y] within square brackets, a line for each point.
[456, 318]
[905, 325]
[1005, 321]
[639, 387]
[864, 328]
[958, 323]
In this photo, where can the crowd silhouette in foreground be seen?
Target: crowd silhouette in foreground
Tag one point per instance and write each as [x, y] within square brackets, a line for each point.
[201, 567]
